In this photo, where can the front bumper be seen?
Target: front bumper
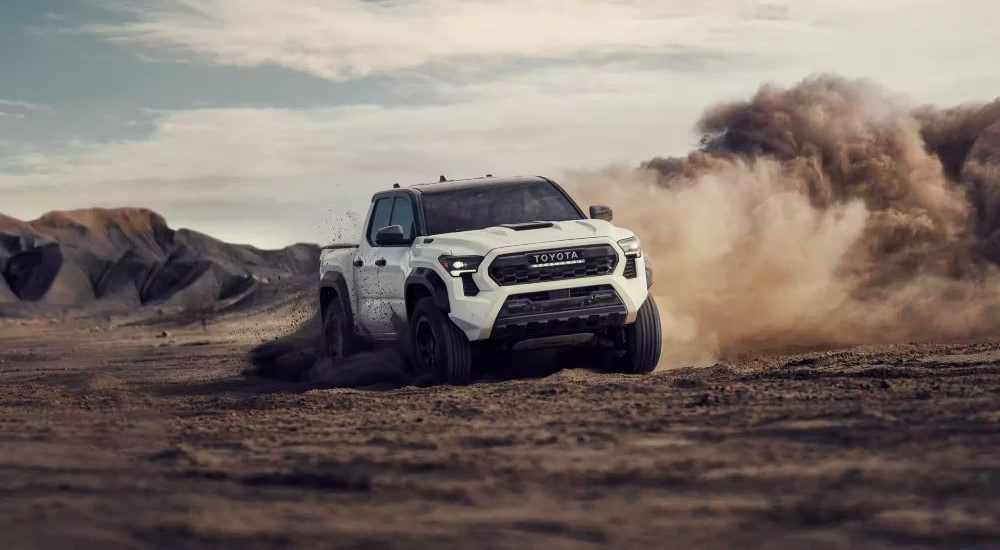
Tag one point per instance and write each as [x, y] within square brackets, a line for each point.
[560, 312]
[484, 317]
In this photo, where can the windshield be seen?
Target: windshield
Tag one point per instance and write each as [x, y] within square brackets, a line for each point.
[492, 205]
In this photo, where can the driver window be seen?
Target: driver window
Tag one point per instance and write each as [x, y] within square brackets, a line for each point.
[380, 218]
[402, 215]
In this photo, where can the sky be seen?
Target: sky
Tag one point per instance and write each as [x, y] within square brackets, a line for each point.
[272, 121]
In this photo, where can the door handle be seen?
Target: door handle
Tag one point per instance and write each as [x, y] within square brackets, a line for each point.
[380, 262]
[358, 263]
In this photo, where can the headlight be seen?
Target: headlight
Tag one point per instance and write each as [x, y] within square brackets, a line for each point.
[457, 265]
[631, 246]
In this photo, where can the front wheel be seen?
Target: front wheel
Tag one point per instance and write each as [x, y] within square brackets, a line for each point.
[643, 340]
[438, 345]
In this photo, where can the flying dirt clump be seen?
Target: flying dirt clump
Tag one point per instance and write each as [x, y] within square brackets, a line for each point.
[829, 213]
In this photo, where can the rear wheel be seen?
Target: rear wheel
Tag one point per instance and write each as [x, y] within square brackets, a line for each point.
[339, 341]
[640, 351]
[438, 345]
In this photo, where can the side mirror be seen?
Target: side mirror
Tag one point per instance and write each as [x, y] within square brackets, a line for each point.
[600, 212]
[391, 236]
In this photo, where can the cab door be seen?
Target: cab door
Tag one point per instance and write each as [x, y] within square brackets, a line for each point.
[370, 314]
[395, 262]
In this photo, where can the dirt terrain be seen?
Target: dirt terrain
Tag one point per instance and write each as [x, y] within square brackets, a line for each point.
[122, 437]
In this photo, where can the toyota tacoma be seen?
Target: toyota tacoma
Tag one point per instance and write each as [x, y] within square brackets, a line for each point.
[463, 267]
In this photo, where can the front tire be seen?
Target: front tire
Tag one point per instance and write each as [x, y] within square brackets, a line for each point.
[339, 341]
[438, 345]
[643, 340]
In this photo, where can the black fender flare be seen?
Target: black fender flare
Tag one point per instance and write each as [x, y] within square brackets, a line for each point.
[334, 281]
[430, 282]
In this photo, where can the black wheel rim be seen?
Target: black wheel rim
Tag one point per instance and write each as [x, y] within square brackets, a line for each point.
[426, 346]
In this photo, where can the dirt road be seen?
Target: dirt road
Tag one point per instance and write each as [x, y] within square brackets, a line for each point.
[119, 439]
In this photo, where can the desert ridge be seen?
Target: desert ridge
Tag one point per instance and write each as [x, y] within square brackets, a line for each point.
[117, 260]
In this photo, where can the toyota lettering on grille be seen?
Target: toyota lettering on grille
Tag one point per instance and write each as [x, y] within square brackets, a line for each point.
[555, 258]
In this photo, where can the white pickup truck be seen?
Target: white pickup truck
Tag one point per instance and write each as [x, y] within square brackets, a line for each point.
[488, 265]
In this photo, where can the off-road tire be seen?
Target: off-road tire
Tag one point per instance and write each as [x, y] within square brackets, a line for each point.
[640, 351]
[450, 356]
[339, 340]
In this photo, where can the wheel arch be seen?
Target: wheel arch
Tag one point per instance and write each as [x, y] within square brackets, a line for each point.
[425, 283]
[333, 286]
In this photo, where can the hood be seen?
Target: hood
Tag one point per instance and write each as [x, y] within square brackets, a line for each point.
[482, 241]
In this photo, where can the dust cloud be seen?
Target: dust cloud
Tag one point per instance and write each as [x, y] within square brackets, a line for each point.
[298, 357]
[830, 213]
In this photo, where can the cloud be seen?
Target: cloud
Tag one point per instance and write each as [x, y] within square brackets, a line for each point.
[340, 39]
[22, 105]
[903, 43]
[21, 109]
[327, 161]
[543, 123]
[508, 86]
[343, 39]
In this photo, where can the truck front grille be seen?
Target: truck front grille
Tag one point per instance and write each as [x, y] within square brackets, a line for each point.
[516, 269]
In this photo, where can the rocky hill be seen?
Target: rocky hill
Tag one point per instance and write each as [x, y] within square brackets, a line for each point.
[103, 261]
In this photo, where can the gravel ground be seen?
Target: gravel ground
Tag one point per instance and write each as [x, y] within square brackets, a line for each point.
[118, 438]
